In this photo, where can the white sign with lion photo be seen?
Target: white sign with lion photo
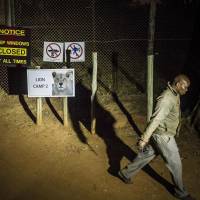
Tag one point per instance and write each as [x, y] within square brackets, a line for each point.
[51, 82]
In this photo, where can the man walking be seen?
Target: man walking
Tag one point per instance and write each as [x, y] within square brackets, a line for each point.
[163, 126]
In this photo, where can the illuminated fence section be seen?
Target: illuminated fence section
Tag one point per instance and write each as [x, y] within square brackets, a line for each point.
[115, 29]
[108, 27]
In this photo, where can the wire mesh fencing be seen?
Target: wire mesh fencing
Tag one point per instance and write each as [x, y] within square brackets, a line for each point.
[115, 30]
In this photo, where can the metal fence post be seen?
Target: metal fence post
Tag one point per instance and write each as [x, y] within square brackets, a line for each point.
[65, 111]
[65, 99]
[94, 89]
[150, 59]
[8, 15]
[39, 107]
[115, 72]
[39, 110]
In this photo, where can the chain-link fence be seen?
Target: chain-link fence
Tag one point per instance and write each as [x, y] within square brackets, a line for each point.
[116, 32]
[113, 28]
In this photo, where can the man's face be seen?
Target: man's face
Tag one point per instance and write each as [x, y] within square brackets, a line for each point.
[182, 87]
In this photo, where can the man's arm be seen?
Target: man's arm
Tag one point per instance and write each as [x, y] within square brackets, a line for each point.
[163, 108]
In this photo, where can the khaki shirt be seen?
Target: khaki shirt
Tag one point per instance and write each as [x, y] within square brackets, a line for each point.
[166, 118]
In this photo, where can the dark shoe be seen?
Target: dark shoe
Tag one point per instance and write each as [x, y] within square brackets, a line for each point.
[188, 197]
[113, 172]
[124, 179]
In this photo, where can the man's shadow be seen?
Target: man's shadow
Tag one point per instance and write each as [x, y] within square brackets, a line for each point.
[80, 111]
[116, 149]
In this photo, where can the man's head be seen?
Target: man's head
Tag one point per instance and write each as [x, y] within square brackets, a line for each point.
[181, 84]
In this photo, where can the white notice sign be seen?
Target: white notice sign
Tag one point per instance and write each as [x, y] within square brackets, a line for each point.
[51, 82]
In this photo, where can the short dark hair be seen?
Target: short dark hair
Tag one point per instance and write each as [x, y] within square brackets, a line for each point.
[181, 77]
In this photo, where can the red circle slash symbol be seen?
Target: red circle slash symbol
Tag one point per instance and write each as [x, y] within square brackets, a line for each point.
[53, 50]
[76, 50]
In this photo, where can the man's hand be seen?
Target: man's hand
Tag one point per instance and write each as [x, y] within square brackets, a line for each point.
[141, 144]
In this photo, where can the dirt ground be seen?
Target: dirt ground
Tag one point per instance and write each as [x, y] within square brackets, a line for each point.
[53, 162]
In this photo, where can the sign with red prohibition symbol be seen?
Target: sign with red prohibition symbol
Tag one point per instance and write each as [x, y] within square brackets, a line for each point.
[77, 51]
[53, 52]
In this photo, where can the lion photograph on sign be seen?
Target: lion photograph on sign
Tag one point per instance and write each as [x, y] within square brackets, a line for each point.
[63, 83]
